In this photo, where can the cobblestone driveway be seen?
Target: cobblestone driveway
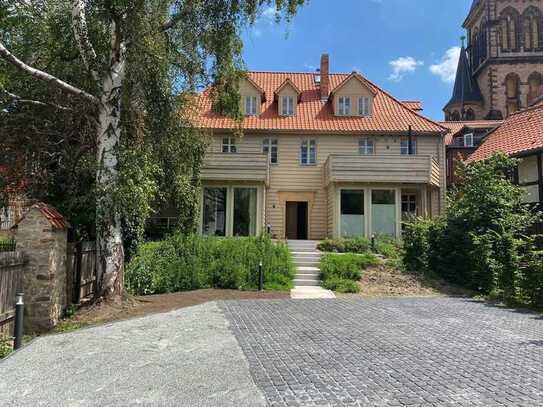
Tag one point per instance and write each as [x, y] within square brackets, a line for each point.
[407, 352]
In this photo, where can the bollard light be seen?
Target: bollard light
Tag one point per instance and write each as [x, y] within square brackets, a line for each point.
[260, 277]
[19, 313]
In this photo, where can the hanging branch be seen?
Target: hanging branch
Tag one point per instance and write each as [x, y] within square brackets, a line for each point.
[18, 99]
[44, 76]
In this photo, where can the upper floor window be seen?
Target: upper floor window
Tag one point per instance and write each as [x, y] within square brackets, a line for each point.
[470, 114]
[364, 106]
[250, 106]
[287, 105]
[229, 145]
[344, 106]
[308, 152]
[509, 30]
[366, 146]
[532, 28]
[269, 147]
[407, 148]
[535, 83]
[468, 140]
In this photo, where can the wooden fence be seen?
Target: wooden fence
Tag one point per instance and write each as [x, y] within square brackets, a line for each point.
[81, 271]
[11, 274]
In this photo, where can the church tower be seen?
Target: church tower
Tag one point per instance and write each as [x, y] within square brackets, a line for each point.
[501, 70]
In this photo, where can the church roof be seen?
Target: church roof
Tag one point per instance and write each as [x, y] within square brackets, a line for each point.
[466, 88]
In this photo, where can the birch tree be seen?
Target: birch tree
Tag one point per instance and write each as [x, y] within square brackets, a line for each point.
[194, 42]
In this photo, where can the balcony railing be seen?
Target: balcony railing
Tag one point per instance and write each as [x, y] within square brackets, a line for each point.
[235, 167]
[404, 169]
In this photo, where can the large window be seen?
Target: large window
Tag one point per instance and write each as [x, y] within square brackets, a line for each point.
[269, 147]
[287, 106]
[528, 178]
[409, 205]
[509, 29]
[383, 212]
[532, 28]
[406, 149]
[352, 213]
[366, 146]
[344, 106]
[214, 212]
[245, 211]
[308, 152]
[535, 81]
[229, 145]
[250, 106]
[364, 106]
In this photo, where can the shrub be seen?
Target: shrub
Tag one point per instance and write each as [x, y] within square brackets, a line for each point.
[188, 262]
[416, 245]
[340, 272]
[358, 245]
[5, 347]
[341, 285]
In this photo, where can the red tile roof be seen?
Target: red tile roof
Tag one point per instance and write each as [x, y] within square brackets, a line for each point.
[415, 105]
[456, 127]
[389, 114]
[57, 221]
[520, 133]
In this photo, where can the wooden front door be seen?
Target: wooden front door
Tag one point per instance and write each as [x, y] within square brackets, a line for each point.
[296, 220]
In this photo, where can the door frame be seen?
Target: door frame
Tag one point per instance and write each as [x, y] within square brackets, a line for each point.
[306, 203]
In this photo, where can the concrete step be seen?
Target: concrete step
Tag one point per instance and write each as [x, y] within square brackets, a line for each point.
[309, 292]
[306, 283]
[307, 263]
[308, 269]
[312, 277]
[306, 254]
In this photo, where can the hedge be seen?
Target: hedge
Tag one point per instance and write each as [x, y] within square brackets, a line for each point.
[341, 272]
[189, 262]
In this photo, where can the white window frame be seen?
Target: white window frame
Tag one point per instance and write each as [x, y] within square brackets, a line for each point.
[310, 159]
[287, 105]
[364, 106]
[404, 146]
[250, 106]
[366, 146]
[229, 143]
[268, 147]
[469, 136]
[344, 106]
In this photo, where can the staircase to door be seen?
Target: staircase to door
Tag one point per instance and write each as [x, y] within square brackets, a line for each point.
[307, 260]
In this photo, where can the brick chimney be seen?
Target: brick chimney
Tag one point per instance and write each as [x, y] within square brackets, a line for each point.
[325, 77]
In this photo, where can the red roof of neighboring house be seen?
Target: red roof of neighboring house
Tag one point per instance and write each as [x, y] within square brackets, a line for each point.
[456, 127]
[521, 132]
[415, 105]
[388, 115]
[57, 221]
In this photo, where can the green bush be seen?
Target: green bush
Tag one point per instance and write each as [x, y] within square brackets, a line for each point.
[5, 347]
[341, 285]
[480, 243]
[340, 272]
[189, 262]
[358, 245]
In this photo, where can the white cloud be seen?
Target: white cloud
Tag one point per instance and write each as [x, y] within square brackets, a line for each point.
[402, 66]
[446, 69]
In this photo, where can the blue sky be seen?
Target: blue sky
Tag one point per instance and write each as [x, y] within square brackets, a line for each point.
[408, 47]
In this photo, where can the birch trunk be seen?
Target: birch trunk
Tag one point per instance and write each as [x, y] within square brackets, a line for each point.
[110, 264]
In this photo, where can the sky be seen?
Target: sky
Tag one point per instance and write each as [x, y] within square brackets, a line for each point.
[410, 48]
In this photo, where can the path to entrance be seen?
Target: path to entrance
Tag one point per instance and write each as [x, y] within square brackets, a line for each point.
[391, 352]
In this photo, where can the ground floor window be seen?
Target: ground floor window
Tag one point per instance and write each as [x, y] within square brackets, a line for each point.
[383, 212]
[409, 206]
[214, 222]
[352, 213]
[245, 211]
[230, 211]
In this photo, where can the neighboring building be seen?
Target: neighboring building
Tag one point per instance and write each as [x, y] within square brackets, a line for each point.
[520, 136]
[322, 155]
[462, 140]
[501, 71]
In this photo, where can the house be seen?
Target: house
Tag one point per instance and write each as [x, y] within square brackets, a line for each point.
[322, 155]
[520, 136]
[462, 140]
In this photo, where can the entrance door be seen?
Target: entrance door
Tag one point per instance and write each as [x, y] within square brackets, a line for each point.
[296, 220]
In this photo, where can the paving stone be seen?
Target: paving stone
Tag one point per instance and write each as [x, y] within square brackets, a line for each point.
[390, 352]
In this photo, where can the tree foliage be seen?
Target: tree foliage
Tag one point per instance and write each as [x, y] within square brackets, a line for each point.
[482, 241]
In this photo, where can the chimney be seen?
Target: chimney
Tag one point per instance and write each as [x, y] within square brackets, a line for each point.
[325, 77]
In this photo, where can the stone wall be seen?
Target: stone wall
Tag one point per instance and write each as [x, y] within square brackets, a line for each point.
[45, 276]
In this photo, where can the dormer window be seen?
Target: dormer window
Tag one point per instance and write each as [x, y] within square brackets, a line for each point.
[344, 106]
[287, 105]
[468, 140]
[250, 106]
[364, 106]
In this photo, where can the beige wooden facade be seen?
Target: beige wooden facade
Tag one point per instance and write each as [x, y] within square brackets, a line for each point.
[338, 166]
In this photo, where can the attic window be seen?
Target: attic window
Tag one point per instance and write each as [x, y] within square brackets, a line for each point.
[317, 78]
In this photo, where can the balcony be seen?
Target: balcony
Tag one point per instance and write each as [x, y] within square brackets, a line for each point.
[398, 169]
[235, 167]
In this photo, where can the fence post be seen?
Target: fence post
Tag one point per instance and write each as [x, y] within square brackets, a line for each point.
[19, 315]
[76, 296]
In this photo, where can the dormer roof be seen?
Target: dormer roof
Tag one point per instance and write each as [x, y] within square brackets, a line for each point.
[353, 75]
[257, 87]
[288, 82]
